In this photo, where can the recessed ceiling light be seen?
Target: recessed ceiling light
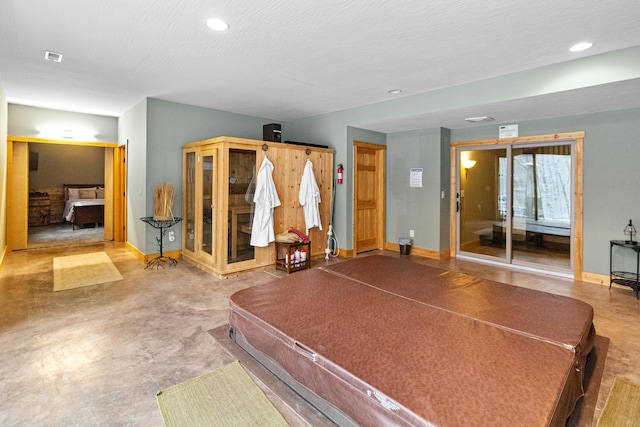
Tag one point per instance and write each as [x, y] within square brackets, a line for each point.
[580, 46]
[479, 119]
[52, 56]
[395, 91]
[217, 24]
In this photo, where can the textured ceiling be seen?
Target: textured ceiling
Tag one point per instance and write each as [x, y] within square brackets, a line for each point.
[285, 60]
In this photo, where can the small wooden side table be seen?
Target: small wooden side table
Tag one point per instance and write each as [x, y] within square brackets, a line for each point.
[284, 260]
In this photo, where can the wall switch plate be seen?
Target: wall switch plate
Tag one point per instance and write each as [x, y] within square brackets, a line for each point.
[412, 233]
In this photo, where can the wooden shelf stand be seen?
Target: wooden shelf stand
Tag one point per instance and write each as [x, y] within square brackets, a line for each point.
[284, 260]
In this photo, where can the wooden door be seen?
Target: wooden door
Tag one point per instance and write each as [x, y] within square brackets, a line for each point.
[368, 190]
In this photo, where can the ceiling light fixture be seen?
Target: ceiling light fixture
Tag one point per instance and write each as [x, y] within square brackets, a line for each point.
[217, 24]
[395, 91]
[53, 132]
[52, 56]
[479, 119]
[580, 46]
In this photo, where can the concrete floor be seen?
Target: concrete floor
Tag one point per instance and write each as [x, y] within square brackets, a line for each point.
[98, 355]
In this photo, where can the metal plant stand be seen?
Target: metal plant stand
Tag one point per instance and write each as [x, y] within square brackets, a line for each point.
[161, 225]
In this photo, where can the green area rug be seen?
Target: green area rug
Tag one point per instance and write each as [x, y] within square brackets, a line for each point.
[224, 397]
[622, 408]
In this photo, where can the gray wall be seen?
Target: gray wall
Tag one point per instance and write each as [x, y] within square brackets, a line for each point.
[445, 188]
[27, 121]
[414, 208]
[611, 174]
[66, 164]
[331, 129]
[132, 131]
[156, 131]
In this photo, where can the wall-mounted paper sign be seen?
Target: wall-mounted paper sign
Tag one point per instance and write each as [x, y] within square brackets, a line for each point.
[508, 131]
[415, 177]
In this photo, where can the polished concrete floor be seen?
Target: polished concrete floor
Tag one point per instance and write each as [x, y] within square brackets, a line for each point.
[98, 355]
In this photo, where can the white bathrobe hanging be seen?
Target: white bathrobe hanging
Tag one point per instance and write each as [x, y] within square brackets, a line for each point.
[266, 199]
[309, 198]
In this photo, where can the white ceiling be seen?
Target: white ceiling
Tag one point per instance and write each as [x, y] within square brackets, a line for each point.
[285, 60]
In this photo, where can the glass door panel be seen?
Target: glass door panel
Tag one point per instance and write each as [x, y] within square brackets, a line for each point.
[208, 175]
[541, 207]
[242, 184]
[190, 201]
[482, 203]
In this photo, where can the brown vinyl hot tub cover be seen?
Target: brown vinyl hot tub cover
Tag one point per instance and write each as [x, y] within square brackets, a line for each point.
[388, 341]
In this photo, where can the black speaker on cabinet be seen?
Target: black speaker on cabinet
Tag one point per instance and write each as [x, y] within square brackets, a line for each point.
[272, 132]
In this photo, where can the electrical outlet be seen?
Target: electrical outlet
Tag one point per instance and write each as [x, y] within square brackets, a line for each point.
[412, 233]
[172, 236]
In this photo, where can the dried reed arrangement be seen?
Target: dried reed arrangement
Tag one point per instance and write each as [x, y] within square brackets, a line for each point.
[163, 202]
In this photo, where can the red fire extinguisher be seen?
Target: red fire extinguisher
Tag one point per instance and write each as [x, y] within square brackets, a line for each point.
[340, 173]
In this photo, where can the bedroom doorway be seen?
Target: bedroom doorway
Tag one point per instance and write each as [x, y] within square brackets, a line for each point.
[519, 202]
[21, 208]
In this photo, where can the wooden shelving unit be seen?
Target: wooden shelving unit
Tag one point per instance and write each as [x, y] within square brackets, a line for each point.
[283, 256]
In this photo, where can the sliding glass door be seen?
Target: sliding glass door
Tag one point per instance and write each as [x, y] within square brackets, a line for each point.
[482, 203]
[542, 208]
[515, 204]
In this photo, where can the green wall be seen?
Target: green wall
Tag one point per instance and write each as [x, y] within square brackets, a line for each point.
[415, 208]
[156, 131]
[611, 173]
[66, 164]
[132, 132]
[27, 121]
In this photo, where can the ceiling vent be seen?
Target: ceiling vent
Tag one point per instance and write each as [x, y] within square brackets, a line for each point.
[479, 119]
[52, 56]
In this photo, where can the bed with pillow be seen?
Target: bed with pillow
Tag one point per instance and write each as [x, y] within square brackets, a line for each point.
[84, 204]
[385, 341]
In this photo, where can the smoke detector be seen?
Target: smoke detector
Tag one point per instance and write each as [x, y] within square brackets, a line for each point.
[52, 56]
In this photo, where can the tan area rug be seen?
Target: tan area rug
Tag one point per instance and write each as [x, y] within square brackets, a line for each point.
[224, 397]
[622, 408]
[76, 271]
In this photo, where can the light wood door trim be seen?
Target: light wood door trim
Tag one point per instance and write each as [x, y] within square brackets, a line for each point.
[18, 196]
[578, 138]
[120, 194]
[18, 185]
[379, 199]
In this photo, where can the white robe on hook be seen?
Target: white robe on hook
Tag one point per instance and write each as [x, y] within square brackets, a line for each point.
[309, 198]
[266, 199]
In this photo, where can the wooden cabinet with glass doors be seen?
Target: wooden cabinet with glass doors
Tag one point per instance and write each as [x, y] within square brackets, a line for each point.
[219, 179]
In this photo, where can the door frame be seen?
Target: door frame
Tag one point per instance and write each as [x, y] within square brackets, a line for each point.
[120, 193]
[577, 138]
[17, 211]
[380, 192]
